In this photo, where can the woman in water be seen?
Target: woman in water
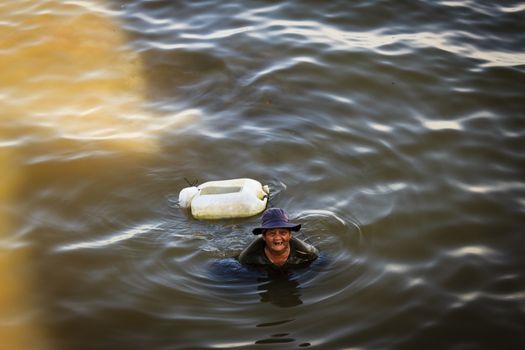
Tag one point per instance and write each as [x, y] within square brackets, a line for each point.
[277, 247]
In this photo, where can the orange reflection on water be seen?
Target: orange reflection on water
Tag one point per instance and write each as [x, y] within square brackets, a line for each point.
[64, 71]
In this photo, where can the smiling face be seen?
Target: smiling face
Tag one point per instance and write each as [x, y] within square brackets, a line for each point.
[277, 240]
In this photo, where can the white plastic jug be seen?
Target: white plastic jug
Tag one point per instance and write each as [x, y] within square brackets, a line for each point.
[223, 199]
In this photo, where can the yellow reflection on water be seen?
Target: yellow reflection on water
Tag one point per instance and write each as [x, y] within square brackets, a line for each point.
[65, 65]
[65, 72]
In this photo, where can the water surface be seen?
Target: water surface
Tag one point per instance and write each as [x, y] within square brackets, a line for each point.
[393, 131]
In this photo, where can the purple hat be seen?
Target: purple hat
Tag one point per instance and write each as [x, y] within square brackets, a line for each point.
[275, 218]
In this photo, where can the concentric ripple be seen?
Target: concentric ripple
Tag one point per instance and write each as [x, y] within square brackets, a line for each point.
[392, 131]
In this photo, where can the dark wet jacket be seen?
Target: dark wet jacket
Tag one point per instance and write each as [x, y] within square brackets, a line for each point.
[301, 254]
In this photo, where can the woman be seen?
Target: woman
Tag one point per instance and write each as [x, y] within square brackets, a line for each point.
[277, 247]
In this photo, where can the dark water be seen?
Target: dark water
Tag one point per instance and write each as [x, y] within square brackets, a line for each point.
[392, 130]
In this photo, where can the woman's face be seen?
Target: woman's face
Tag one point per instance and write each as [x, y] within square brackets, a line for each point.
[277, 239]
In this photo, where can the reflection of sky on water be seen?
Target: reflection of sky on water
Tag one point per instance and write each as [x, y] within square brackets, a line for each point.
[387, 43]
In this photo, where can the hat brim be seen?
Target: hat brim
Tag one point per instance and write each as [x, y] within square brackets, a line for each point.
[293, 227]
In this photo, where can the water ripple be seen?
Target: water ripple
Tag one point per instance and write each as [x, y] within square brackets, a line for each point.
[127, 234]
[395, 141]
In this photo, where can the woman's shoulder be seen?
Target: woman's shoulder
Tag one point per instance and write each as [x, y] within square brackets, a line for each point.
[304, 251]
[253, 253]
